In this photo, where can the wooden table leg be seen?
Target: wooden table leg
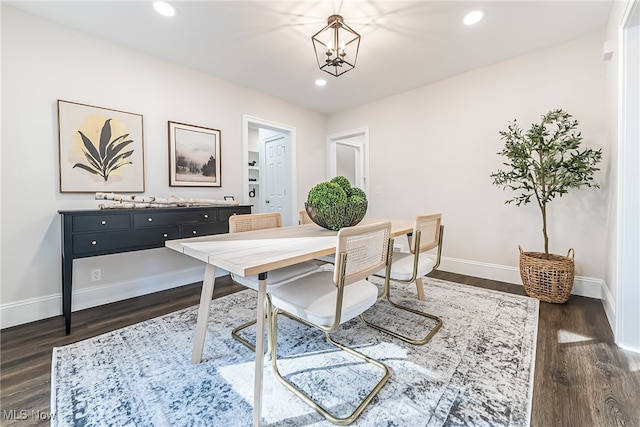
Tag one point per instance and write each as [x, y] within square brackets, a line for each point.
[257, 390]
[203, 313]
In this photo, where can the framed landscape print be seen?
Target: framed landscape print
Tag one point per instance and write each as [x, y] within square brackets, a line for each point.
[194, 156]
[100, 150]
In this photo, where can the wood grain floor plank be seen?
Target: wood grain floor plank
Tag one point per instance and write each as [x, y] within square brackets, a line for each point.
[581, 377]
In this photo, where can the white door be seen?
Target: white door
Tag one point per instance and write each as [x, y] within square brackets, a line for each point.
[277, 177]
[349, 162]
[348, 155]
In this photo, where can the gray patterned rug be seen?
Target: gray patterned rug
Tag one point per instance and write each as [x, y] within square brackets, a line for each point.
[477, 370]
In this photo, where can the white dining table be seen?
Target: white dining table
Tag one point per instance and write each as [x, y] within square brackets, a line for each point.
[256, 253]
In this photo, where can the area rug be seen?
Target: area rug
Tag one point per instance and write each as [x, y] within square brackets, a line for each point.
[477, 370]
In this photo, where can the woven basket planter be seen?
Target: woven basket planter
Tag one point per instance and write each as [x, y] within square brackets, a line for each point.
[337, 216]
[549, 280]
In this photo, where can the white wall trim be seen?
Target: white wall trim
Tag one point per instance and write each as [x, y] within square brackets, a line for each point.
[627, 334]
[609, 304]
[583, 286]
[30, 310]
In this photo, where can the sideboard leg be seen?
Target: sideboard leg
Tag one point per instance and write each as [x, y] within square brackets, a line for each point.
[67, 272]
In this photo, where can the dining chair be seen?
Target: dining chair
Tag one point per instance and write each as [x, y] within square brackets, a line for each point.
[304, 219]
[260, 221]
[407, 268]
[325, 300]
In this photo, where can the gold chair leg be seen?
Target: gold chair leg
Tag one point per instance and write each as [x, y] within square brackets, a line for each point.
[241, 340]
[415, 341]
[302, 395]
[420, 289]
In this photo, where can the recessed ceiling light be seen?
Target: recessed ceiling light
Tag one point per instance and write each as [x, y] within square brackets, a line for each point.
[473, 17]
[164, 8]
[321, 82]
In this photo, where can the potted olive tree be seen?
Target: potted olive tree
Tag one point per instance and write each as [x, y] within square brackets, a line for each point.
[544, 162]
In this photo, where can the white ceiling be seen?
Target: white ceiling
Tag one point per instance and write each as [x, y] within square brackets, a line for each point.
[266, 45]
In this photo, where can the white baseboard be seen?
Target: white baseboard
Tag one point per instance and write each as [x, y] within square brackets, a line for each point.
[609, 304]
[30, 310]
[583, 286]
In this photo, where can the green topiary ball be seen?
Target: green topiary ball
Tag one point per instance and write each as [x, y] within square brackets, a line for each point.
[342, 182]
[357, 193]
[357, 199]
[326, 194]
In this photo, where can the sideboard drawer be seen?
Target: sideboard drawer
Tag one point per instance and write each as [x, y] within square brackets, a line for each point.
[154, 219]
[119, 240]
[195, 230]
[225, 213]
[104, 222]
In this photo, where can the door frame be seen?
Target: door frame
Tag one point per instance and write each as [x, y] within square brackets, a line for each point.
[249, 122]
[626, 333]
[338, 138]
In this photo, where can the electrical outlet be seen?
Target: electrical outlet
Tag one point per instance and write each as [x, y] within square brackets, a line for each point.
[96, 275]
[398, 248]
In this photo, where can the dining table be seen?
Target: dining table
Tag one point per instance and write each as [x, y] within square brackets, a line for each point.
[258, 252]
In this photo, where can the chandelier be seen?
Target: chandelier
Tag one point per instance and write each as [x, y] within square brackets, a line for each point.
[336, 46]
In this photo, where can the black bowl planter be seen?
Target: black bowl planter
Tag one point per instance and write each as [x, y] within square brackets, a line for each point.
[337, 216]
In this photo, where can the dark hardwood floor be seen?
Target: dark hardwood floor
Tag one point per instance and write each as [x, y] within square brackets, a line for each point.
[582, 378]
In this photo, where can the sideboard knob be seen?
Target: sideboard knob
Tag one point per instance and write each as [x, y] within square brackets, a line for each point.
[194, 232]
[103, 222]
[149, 219]
[206, 215]
[165, 235]
[93, 242]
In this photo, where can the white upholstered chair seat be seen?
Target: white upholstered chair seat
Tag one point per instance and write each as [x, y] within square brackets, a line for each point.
[281, 275]
[402, 266]
[313, 298]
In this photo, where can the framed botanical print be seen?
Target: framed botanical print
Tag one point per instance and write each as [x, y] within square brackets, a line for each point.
[100, 149]
[194, 156]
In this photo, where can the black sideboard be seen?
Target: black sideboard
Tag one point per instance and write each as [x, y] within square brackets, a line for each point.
[87, 233]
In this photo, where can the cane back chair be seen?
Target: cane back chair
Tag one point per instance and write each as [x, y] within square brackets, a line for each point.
[326, 300]
[248, 222]
[411, 267]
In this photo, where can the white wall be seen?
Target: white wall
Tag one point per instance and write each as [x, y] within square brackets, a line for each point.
[436, 151]
[43, 62]
[434, 154]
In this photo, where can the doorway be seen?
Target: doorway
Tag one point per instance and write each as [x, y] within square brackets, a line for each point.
[269, 172]
[348, 156]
